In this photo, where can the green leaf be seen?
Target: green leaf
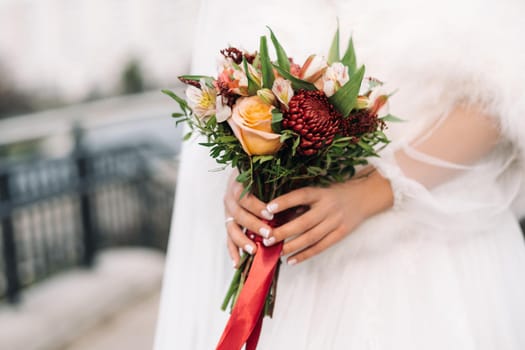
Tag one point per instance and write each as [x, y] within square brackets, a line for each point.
[365, 146]
[266, 64]
[295, 145]
[315, 171]
[392, 118]
[282, 57]
[246, 190]
[243, 177]
[211, 123]
[296, 82]
[226, 139]
[349, 58]
[182, 102]
[333, 53]
[262, 159]
[252, 84]
[177, 115]
[287, 134]
[345, 98]
[187, 136]
[277, 118]
[235, 161]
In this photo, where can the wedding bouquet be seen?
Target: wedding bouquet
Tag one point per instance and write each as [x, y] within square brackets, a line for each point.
[283, 126]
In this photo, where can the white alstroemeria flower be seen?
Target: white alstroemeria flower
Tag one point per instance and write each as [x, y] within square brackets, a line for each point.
[282, 89]
[328, 87]
[223, 111]
[202, 101]
[334, 77]
[240, 76]
[368, 84]
[378, 101]
[313, 68]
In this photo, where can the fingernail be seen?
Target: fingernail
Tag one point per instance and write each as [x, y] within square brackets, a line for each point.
[264, 232]
[249, 249]
[266, 214]
[292, 262]
[234, 264]
[268, 242]
[272, 207]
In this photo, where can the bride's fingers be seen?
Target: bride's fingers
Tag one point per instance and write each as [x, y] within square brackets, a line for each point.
[248, 201]
[246, 219]
[326, 242]
[297, 226]
[310, 237]
[233, 250]
[255, 206]
[239, 238]
[300, 197]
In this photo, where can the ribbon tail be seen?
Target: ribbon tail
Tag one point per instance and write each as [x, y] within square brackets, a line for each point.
[246, 318]
[251, 343]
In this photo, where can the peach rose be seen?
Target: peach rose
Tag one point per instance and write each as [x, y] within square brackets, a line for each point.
[251, 122]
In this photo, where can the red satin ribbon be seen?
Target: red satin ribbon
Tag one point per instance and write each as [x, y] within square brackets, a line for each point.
[244, 325]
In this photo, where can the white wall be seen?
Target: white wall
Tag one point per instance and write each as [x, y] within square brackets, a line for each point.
[70, 47]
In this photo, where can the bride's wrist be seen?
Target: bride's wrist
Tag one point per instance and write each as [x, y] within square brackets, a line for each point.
[379, 192]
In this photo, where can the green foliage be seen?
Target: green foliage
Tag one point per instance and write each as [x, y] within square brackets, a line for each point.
[266, 65]
[392, 118]
[346, 97]
[180, 101]
[252, 84]
[349, 59]
[282, 57]
[277, 118]
[333, 53]
[296, 82]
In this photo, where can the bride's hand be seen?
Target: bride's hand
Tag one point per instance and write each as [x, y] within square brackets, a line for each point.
[334, 212]
[242, 213]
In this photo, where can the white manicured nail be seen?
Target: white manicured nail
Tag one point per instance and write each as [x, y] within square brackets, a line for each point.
[292, 262]
[264, 232]
[266, 214]
[268, 242]
[272, 207]
[234, 264]
[249, 249]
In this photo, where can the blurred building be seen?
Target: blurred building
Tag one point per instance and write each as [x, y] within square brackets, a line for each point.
[77, 48]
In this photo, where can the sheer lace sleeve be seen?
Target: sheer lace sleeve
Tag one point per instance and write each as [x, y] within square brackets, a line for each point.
[444, 168]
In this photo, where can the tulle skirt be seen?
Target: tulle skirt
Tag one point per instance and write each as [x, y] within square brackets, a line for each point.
[410, 292]
[405, 279]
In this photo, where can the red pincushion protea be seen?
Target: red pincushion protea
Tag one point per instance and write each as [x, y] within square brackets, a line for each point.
[314, 118]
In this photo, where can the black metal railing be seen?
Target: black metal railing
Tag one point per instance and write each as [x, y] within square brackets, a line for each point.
[55, 214]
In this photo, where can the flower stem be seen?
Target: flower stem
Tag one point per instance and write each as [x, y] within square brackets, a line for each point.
[235, 283]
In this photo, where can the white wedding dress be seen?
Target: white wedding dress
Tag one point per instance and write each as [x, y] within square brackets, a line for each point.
[444, 268]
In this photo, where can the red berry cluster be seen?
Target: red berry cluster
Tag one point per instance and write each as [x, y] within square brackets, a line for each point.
[360, 123]
[236, 55]
[311, 115]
